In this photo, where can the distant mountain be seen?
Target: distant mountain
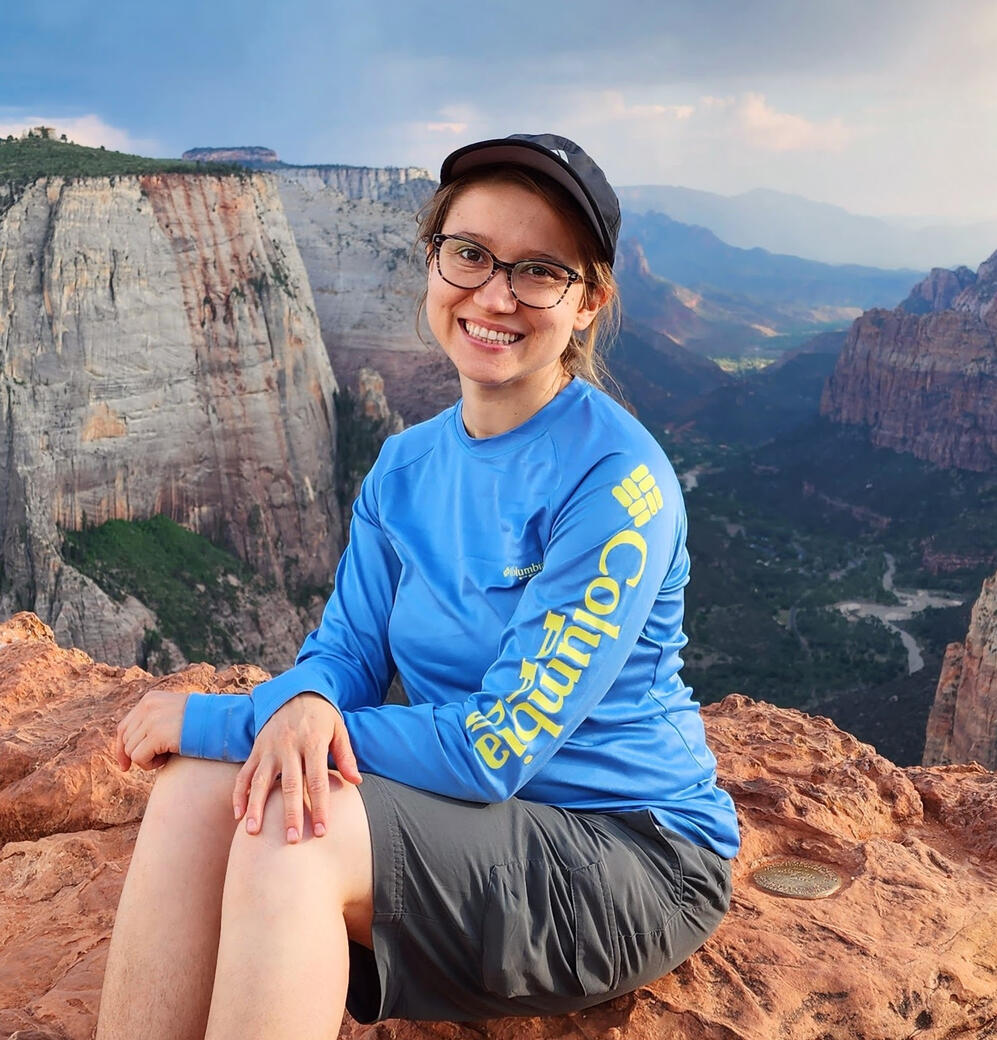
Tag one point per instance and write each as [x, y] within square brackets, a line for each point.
[247, 153]
[697, 258]
[713, 322]
[783, 223]
[938, 291]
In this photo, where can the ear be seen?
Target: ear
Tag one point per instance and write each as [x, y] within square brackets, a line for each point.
[593, 300]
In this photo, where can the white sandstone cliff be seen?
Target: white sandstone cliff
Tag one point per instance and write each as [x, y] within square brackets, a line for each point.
[159, 353]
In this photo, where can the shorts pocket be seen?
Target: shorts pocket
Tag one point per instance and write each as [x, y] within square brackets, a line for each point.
[597, 959]
[549, 931]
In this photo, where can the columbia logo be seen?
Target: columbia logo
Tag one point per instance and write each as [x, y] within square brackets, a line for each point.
[639, 495]
[524, 572]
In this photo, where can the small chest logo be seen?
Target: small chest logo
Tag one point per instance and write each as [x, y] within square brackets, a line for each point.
[524, 572]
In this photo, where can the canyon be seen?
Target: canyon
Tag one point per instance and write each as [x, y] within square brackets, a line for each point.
[249, 284]
[903, 948]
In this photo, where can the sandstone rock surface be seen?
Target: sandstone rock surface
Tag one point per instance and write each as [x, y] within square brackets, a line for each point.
[903, 949]
[962, 726]
[403, 187]
[925, 382]
[356, 229]
[159, 353]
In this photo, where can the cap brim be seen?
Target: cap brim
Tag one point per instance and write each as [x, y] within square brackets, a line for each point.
[523, 153]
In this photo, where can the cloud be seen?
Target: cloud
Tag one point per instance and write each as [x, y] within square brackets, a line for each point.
[446, 128]
[764, 127]
[615, 106]
[88, 130]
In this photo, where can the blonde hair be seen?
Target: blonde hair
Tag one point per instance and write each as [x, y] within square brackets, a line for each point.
[583, 356]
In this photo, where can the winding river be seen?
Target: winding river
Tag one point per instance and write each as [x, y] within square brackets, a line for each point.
[912, 601]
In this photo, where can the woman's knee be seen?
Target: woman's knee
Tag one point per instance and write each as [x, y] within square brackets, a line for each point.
[342, 857]
[192, 790]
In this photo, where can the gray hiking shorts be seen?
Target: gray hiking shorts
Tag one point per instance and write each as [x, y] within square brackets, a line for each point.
[517, 908]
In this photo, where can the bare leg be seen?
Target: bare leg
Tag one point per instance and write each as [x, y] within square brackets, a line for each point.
[283, 960]
[162, 956]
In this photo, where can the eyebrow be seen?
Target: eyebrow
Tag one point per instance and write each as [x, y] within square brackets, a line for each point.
[483, 240]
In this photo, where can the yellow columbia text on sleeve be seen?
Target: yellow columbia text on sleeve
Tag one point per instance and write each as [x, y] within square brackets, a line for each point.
[568, 644]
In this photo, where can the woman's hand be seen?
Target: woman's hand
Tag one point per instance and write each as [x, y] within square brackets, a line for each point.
[294, 746]
[150, 732]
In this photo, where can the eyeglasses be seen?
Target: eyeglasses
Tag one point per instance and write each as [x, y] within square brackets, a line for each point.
[465, 264]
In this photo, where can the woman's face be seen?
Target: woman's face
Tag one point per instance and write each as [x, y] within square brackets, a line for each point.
[515, 224]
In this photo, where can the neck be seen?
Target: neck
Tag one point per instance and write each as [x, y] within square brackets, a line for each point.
[488, 411]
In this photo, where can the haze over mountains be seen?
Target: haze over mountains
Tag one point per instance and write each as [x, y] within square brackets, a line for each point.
[805, 289]
[783, 223]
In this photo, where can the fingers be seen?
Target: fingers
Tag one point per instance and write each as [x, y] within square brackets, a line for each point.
[317, 788]
[240, 793]
[341, 751]
[295, 747]
[261, 780]
[294, 810]
[124, 762]
[150, 732]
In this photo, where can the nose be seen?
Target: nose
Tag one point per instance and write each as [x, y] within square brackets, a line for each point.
[496, 294]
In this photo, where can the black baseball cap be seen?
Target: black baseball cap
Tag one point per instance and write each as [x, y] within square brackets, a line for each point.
[561, 160]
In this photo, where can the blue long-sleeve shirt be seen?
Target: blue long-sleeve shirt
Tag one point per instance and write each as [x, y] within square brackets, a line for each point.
[528, 588]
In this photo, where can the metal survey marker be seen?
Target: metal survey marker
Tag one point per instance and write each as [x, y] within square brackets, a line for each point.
[797, 878]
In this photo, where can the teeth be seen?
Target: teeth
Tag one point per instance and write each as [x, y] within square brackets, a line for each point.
[480, 332]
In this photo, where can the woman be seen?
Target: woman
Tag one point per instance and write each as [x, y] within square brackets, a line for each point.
[539, 828]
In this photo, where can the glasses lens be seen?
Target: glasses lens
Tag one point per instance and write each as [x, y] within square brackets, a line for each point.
[538, 284]
[464, 264]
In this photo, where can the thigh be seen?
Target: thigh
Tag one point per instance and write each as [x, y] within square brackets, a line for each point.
[515, 908]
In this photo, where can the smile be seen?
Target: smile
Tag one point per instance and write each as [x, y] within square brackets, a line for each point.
[489, 335]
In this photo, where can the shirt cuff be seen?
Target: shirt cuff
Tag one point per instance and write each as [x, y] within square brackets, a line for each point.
[218, 726]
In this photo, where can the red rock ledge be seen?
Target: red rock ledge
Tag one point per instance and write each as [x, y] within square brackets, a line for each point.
[905, 948]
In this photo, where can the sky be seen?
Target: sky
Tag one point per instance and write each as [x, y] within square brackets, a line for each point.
[884, 107]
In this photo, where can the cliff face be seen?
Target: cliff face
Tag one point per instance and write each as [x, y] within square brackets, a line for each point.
[962, 726]
[159, 353]
[355, 228]
[904, 948]
[403, 187]
[926, 383]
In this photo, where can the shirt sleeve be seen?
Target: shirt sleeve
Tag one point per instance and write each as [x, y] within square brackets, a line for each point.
[346, 659]
[617, 545]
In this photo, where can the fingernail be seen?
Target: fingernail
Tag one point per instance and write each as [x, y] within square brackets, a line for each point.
[237, 810]
[319, 829]
[292, 834]
[251, 825]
